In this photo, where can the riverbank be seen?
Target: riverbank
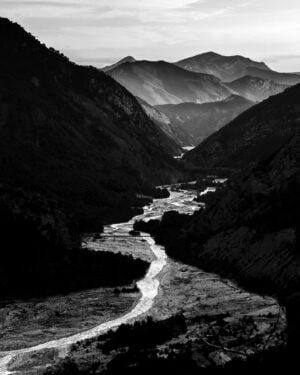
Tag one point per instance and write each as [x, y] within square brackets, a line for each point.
[248, 232]
[169, 289]
[221, 323]
[148, 288]
[211, 307]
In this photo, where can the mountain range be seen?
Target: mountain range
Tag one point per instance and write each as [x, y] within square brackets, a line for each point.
[205, 78]
[160, 82]
[226, 68]
[231, 68]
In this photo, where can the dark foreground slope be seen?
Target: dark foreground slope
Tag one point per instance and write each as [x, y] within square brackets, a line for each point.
[41, 254]
[252, 136]
[250, 232]
[74, 133]
[76, 151]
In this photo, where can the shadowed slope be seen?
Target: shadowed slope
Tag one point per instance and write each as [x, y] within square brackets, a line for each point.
[252, 136]
[74, 132]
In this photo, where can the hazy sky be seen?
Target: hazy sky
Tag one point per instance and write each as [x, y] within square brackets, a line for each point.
[100, 32]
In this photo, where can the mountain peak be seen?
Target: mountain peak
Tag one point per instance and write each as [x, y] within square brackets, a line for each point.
[212, 54]
[226, 68]
[127, 59]
[209, 54]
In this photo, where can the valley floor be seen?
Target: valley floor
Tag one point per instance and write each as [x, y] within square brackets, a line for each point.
[207, 303]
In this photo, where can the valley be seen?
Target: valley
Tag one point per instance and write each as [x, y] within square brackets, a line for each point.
[195, 97]
[149, 209]
[168, 289]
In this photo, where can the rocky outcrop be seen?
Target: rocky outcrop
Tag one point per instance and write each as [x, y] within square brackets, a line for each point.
[161, 193]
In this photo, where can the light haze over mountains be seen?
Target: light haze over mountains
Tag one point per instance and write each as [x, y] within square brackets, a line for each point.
[200, 94]
[101, 32]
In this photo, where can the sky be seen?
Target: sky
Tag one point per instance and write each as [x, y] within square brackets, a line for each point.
[100, 32]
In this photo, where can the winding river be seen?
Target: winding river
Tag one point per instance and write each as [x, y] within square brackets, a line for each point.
[148, 286]
[168, 287]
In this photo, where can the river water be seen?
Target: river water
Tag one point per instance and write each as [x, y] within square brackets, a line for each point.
[168, 287]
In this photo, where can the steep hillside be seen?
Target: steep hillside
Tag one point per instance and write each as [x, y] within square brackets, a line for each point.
[249, 232]
[172, 129]
[280, 78]
[202, 120]
[164, 83]
[41, 254]
[256, 89]
[76, 151]
[226, 68]
[254, 135]
[75, 133]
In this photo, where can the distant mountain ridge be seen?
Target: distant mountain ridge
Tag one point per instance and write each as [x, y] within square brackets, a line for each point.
[160, 82]
[280, 78]
[226, 68]
[205, 78]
